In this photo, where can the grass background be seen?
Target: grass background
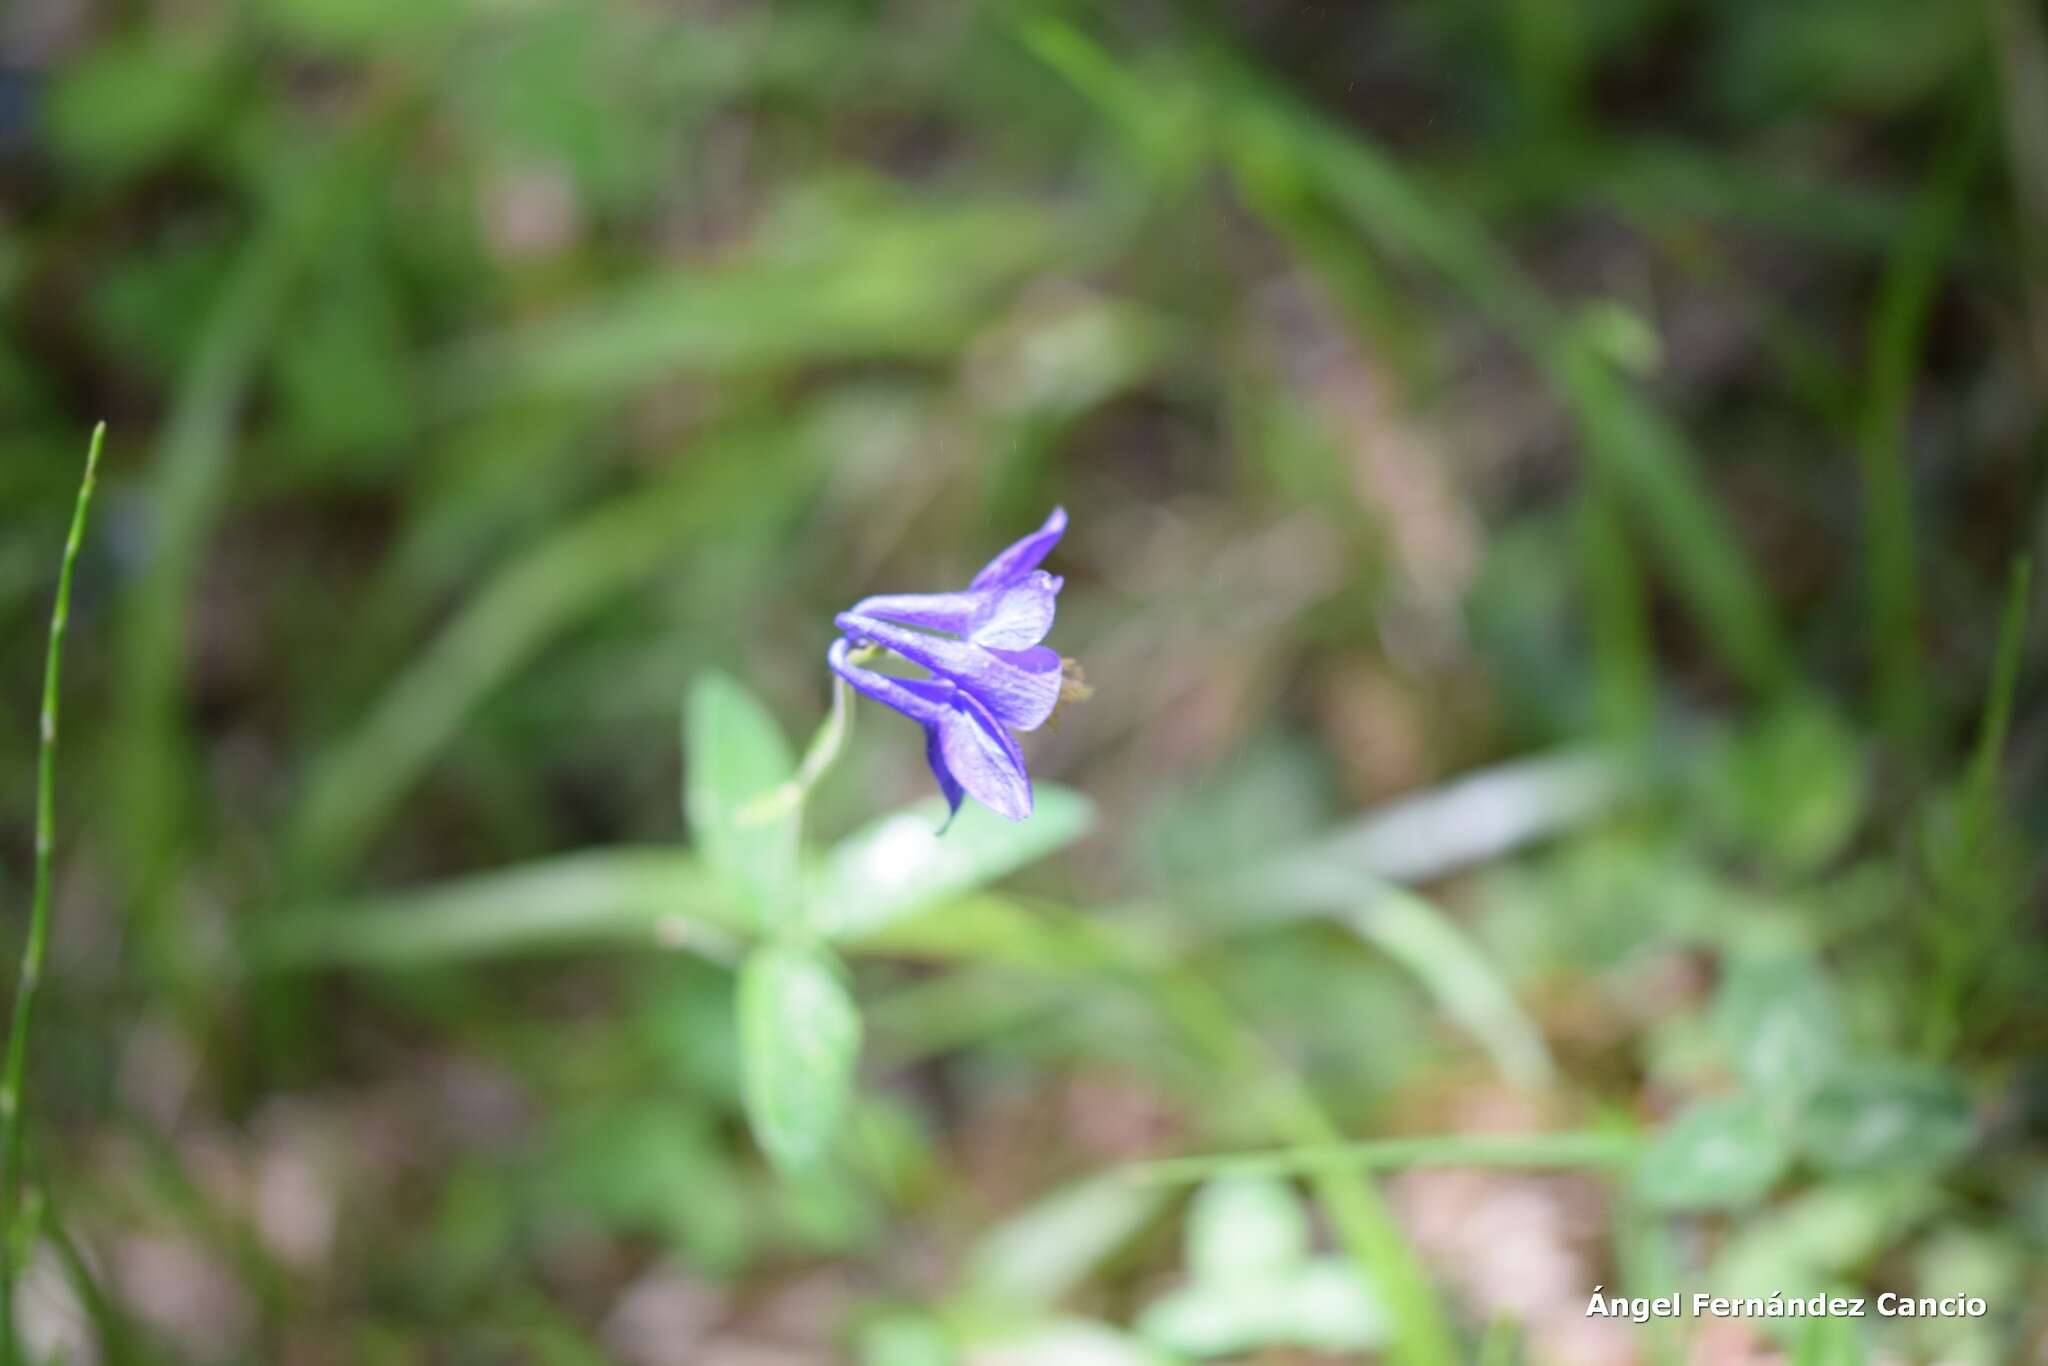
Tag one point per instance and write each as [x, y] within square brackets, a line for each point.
[1637, 404]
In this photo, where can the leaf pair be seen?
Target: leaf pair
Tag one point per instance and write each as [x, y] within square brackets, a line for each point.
[799, 1026]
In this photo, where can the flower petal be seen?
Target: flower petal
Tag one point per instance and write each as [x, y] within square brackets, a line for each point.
[923, 700]
[1016, 617]
[1023, 557]
[949, 786]
[1033, 680]
[984, 760]
[1018, 687]
[955, 612]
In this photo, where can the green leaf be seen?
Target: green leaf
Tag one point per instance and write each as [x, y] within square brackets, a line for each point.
[1332, 1309]
[1241, 1227]
[1459, 976]
[1063, 1342]
[734, 755]
[1887, 1116]
[1254, 1284]
[534, 595]
[799, 1045]
[1032, 1260]
[1723, 1152]
[599, 898]
[901, 864]
[1321, 1305]
[1777, 1018]
[1207, 1320]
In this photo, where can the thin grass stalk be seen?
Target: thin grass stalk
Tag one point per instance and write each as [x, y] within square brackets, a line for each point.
[12, 1097]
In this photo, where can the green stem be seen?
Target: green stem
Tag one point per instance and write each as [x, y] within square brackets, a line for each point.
[1523, 1151]
[827, 744]
[11, 1084]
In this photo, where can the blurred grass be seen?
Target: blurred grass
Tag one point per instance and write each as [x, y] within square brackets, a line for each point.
[1432, 386]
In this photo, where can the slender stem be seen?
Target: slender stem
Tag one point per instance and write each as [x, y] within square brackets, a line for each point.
[1527, 1151]
[827, 744]
[11, 1083]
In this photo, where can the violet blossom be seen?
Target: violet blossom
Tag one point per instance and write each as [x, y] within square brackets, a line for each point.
[989, 674]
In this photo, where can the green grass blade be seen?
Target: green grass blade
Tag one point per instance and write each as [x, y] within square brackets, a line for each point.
[1036, 1257]
[1624, 664]
[1330, 879]
[734, 755]
[606, 898]
[1896, 333]
[355, 786]
[892, 869]
[1525, 1152]
[876, 282]
[1648, 455]
[13, 1092]
[1438, 954]
[188, 488]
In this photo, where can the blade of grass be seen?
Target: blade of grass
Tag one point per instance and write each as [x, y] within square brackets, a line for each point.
[1034, 1259]
[1326, 880]
[600, 898]
[13, 1093]
[1235, 1057]
[1623, 667]
[1465, 985]
[1970, 914]
[118, 1340]
[186, 493]
[1896, 333]
[1364, 1225]
[1649, 456]
[1529, 1152]
[874, 282]
[1467, 821]
[358, 782]
[1655, 466]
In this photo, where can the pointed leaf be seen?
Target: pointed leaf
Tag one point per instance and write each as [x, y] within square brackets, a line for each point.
[901, 864]
[599, 898]
[1031, 1260]
[1245, 1226]
[799, 1046]
[734, 755]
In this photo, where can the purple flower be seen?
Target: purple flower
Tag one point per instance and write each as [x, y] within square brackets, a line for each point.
[989, 674]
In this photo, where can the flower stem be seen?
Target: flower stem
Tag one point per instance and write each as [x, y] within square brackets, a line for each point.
[12, 1243]
[827, 744]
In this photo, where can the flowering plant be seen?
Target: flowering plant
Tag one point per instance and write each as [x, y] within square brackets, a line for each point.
[988, 672]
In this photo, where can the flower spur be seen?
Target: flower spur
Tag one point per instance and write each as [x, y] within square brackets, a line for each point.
[988, 672]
